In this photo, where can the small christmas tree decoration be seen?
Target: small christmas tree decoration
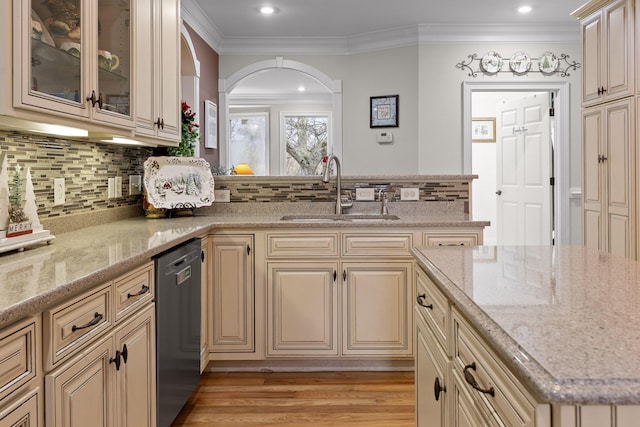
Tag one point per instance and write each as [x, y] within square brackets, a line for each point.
[19, 223]
[19, 209]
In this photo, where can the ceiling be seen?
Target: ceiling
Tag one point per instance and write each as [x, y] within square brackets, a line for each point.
[348, 26]
[238, 21]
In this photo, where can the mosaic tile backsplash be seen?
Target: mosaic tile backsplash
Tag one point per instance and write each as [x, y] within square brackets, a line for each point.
[85, 166]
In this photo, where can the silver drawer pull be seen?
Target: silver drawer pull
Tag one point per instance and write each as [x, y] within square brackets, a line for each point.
[468, 376]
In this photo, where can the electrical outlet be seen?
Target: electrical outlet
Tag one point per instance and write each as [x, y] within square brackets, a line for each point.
[135, 185]
[409, 194]
[111, 188]
[365, 194]
[58, 192]
[222, 196]
[118, 183]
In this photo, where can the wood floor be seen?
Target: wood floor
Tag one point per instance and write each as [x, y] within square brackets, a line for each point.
[345, 399]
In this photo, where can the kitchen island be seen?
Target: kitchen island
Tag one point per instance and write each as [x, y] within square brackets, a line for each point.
[562, 322]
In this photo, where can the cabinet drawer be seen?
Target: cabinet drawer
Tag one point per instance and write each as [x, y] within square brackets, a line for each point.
[510, 403]
[451, 239]
[24, 411]
[17, 356]
[372, 244]
[133, 290]
[70, 325]
[302, 246]
[432, 307]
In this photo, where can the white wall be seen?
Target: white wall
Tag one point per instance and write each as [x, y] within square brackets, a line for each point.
[429, 138]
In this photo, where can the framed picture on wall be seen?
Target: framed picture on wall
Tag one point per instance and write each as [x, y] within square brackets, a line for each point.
[383, 111]
[483, 129]
[211, 124]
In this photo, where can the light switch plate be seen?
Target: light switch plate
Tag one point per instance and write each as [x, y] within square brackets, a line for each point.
[118, 183]
[111, 188]
[58, 192]
[365, 194]
[222, 196]
[409, 194]
[135, 185]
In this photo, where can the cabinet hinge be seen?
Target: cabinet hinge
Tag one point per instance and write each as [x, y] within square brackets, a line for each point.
[552, 181]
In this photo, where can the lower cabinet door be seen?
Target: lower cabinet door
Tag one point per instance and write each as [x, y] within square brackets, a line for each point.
[302, 309]
[465, 411]
[431, 380]
[135, 404]
[376, 309]
[24, 411]
[79, 393]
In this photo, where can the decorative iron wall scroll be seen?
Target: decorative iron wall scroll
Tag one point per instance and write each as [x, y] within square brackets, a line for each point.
[520, 63]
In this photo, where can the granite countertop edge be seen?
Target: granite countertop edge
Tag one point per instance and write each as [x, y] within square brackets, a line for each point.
[179, 230]
[529, 371]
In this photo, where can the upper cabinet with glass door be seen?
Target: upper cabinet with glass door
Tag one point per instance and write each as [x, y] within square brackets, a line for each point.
[73, 58]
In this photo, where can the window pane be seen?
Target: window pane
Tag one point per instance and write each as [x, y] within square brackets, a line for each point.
[306, 144]
[248, 142]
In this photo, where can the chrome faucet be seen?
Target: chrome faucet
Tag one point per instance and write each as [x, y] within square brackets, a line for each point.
[325, 178]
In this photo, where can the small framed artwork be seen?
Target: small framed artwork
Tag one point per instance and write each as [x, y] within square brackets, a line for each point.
[384, 111]
[211, 124]
[483, 129]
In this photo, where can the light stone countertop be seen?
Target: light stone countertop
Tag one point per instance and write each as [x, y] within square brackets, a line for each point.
[565, 320]
[41, 276]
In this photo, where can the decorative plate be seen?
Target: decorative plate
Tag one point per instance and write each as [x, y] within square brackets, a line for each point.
[520, 62]
[178, 182]
[491, 62]
[548, 62]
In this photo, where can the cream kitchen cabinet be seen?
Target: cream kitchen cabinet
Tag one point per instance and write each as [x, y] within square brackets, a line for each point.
[232, 298]
[608, 134]
[608, 50]
[205, 315]
[100, 355]
[157, 77]
[302, 308]
[455, 364]
[447, 237]
[21, 401]
[376, 308]
[335, 293]
[431, 378]
[73, 60]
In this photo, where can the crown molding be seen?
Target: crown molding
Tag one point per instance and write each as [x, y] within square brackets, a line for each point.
[195, 17]
[270, 99]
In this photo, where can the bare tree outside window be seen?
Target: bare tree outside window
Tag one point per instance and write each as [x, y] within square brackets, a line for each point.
[306, 144]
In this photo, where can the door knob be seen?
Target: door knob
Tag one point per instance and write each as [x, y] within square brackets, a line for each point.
[499, 192]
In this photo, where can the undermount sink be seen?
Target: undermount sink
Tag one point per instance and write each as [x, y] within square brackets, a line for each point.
[343, 217]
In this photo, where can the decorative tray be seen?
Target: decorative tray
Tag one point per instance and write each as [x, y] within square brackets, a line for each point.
[178, 182]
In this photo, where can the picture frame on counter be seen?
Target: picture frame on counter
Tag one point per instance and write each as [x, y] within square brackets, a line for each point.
[483, 129]
[211, 124]
[383, 111]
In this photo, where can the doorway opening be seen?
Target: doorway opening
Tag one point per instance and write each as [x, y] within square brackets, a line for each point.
[520, 214]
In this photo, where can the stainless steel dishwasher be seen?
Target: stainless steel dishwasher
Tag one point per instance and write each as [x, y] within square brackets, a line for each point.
[177, 328]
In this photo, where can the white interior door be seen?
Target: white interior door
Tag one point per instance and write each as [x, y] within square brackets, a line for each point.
[524, 170]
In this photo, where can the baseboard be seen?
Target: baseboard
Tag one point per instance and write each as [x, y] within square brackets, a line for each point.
[311, 365]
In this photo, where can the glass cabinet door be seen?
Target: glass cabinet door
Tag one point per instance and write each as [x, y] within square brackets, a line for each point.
[114, 55]
[56, 47]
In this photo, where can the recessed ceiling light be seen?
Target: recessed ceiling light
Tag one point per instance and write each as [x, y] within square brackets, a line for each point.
[524, 9]
[301, 88]
[268, 10]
